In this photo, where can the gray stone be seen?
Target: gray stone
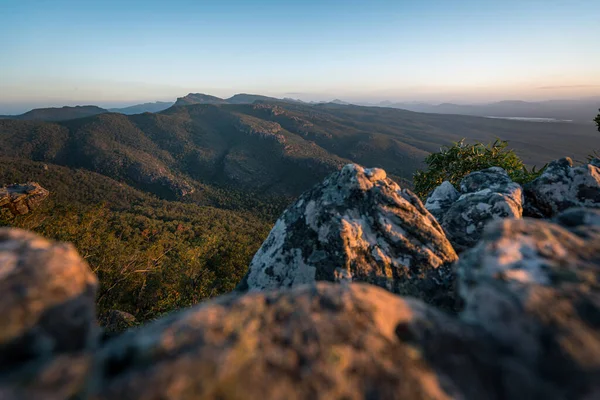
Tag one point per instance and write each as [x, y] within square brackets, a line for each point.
[562, 186]
[326, 341]
[535, 287]
[357, 225]
[47, 295]
[486, 196]
[22, 198]
[441, 199]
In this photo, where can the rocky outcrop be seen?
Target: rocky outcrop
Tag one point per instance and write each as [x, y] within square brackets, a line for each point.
[484, 196]
[535, 287]
[22, 198]
[441, 199]
[47, 295]
[562, 186]
[529, 327]
[313, 342]
[357, 225]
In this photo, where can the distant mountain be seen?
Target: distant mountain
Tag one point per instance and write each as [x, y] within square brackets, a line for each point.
[241, 98]
[244, 98]
[338, 101]
[58, 114]
[142, 108]
[571, 110]
[277, 148]
[198, 98]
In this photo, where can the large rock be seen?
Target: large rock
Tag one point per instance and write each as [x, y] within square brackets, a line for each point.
[535, 287]
[23, 198]
[562, 186]
[115, 321]
[441, 199]
[62, 377]
[313, 342]
[357, 225]
[486, 196]
[47, 295]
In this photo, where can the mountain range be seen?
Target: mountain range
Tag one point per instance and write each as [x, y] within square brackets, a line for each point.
[566, 110]
[269, 147]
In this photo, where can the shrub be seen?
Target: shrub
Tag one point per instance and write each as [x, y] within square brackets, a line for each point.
[597, 121]
[455, 162]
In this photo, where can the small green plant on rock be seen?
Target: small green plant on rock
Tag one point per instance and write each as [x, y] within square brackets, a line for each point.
[453, 163]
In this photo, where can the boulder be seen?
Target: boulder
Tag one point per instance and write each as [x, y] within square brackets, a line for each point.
[358, 225]
[47, 295]
[64, 376]
[441, 199]
[486, 196]
[535, 287]
[325, 341]
[22, 198]
[562, 186]
[116, 321]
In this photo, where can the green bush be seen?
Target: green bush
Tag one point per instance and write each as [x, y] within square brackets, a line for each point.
[455, 162]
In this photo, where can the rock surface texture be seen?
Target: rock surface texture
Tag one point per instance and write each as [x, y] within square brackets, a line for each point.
[563, 186]
[326, 341]
[23, 198]
[535, 287]
[484, 196]
[358, 225]
[529, 327]
[441, 199]
[47, 314]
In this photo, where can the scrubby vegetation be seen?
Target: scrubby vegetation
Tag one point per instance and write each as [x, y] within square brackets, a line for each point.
[452, 163]
[597, 121]
[150, 255]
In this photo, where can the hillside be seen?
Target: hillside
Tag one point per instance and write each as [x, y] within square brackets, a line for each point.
[198, 98]
[58, 114]
[269, 147]
[152, 255]
[142, 108]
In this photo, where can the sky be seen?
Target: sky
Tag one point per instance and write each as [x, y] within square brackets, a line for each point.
[113, 53]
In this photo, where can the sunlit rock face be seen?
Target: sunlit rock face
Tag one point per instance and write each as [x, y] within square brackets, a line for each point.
[326, 341]
[563, 186]
[47, 299]
[358, 225]
[20, 199]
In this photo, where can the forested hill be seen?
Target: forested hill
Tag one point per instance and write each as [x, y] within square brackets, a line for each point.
[269, 147]
[168, 208]
[57, 114]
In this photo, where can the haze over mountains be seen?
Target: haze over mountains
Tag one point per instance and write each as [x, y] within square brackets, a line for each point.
[261, 144]
[542, 111]
[568, 110]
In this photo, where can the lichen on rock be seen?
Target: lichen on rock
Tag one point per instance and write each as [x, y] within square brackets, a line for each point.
[484, 196]
[562, 186]
[358, 225]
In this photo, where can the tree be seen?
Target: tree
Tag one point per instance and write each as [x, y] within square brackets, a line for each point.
[457, 161]
[597, 120]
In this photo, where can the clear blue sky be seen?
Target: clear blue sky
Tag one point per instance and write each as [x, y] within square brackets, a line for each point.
[107, 52]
